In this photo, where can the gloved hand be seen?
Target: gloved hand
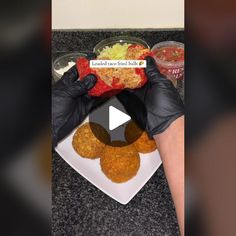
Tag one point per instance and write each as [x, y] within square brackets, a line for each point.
[161, 100]
[71, 103]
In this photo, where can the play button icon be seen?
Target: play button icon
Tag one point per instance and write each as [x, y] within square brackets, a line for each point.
[117, 118]
[113, 117]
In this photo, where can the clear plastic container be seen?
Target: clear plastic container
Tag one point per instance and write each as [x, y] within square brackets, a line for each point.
[63, 63]
[119, 39]
[174, 70]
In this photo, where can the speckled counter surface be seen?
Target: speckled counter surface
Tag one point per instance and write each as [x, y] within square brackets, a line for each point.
[85, 40]
[78, 207]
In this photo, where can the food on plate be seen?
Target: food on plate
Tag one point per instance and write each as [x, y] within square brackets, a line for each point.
[115, 79]
[120, 163]
[86, 140]
[139, 138]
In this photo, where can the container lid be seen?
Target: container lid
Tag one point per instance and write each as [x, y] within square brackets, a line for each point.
[65, 62]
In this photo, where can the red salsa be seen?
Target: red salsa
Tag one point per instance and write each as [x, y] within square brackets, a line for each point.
[170, 54]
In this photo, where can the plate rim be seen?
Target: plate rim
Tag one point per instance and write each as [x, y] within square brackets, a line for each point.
[104, 191]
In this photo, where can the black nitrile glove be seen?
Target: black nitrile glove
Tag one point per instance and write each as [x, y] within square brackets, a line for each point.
[160, 98]
[71, 103]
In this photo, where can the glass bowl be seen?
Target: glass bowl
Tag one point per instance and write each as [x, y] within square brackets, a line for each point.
[119, 39]
[172, 70]
[63, 63]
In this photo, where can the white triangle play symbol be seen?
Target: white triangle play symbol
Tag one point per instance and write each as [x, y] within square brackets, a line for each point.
[117, 118]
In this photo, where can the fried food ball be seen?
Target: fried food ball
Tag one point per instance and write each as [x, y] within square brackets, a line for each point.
[120, 163]
[139, 138]
[90, 140]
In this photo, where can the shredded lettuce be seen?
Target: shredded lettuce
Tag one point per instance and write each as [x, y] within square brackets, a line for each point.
[116, 52]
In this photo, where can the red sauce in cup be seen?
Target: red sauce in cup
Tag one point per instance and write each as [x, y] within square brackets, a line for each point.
[170, 54]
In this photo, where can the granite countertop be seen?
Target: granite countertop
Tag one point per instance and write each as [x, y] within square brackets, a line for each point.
[78, 207]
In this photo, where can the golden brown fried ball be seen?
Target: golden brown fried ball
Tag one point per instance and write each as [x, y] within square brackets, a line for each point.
[90, 140]
[139, 138]
[120, 163]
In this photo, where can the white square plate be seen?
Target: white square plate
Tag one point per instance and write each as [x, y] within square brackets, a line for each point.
[90, 170]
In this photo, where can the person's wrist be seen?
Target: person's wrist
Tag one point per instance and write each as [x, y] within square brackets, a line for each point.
[160, 128]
